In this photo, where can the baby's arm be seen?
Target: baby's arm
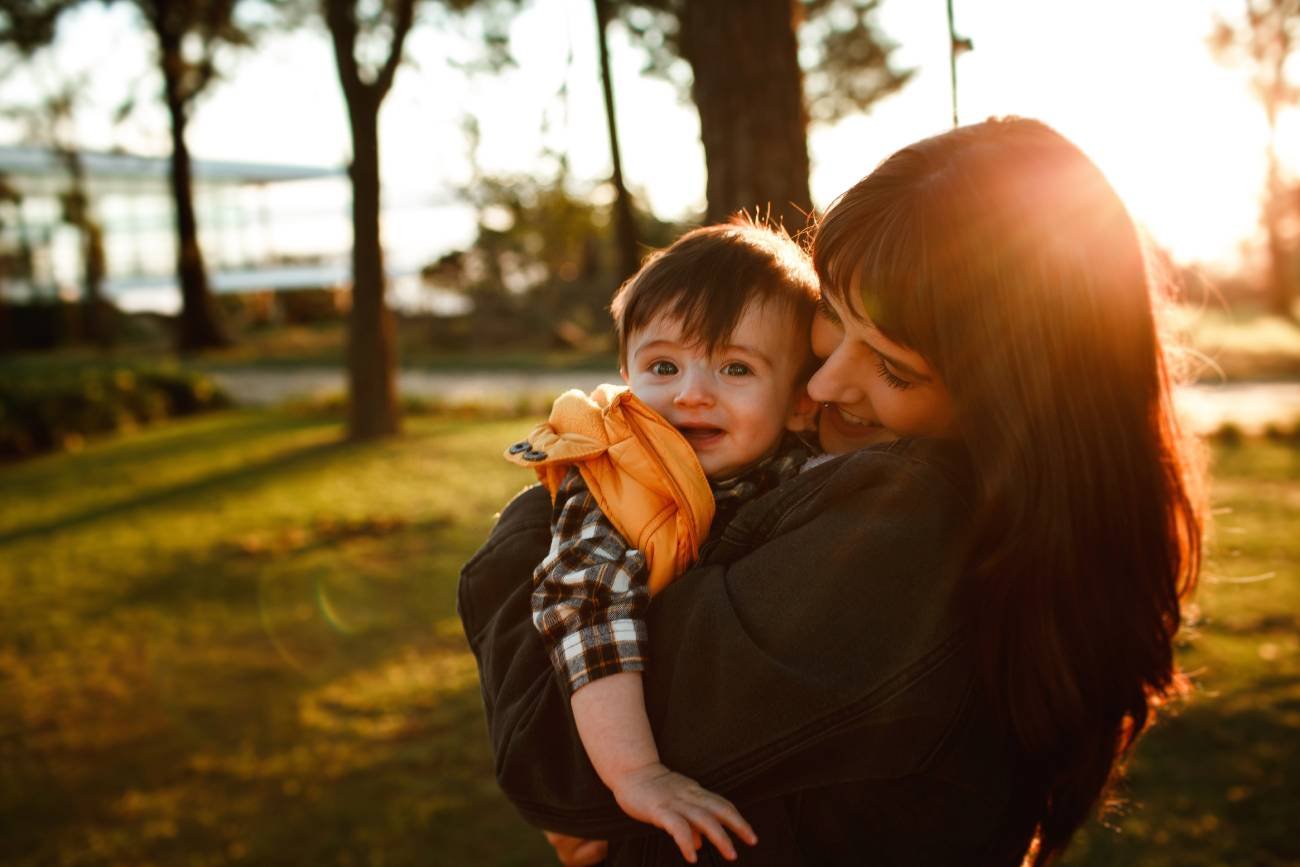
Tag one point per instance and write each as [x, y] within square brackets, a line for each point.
[589, 600]
[611, 720]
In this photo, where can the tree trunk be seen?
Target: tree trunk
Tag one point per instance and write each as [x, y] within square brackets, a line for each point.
[749, 91]
[94, 321]
[372, 407]
[197, 326]
[1280, 277]
[98, 325]
[624, 224]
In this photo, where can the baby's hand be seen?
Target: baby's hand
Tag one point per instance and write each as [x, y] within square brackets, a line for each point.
[683, 808]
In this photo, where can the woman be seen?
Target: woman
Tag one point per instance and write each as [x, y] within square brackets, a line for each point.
[933, 650]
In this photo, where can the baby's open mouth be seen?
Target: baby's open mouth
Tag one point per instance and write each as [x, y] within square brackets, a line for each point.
[701, 435]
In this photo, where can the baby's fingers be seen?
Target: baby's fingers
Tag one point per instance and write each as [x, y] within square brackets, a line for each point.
[704, 822]
[728, 815]
[685, 836]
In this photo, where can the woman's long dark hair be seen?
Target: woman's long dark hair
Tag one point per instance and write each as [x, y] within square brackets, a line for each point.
[1001, 254]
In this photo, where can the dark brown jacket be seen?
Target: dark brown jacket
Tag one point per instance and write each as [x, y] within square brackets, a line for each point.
[814, 668]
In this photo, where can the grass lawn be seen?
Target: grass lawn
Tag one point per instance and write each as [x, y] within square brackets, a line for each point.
[233, 640]
[1217, 782]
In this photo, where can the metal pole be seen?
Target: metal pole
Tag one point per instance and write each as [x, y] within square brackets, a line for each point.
[952, 62]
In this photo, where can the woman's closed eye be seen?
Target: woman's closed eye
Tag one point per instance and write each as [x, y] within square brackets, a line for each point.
[825, 310]
[891, 379]
[662, 368]
[736, 368]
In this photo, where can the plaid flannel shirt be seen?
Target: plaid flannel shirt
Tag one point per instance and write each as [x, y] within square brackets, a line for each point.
[591, 591]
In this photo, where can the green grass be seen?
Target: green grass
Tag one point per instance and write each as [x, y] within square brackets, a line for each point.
[233, 640]
[1217, 782]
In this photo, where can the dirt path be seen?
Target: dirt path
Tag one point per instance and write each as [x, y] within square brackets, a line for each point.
[1252, 406]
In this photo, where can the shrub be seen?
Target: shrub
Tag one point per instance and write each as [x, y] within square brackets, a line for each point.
[303, 306]
[1228, 434]
[44, 410]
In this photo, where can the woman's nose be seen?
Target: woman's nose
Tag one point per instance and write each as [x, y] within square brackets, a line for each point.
[694, 391]
[834, 381]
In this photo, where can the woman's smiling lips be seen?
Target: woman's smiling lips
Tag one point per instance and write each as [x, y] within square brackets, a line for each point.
[848, 424]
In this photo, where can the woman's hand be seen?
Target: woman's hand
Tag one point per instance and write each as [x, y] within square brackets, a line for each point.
[577, 851]
[683, 808]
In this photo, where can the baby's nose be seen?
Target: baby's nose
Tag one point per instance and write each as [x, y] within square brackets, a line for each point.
[694, 391]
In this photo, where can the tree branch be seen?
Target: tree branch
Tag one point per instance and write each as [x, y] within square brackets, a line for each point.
[404, 15]
[341, 18]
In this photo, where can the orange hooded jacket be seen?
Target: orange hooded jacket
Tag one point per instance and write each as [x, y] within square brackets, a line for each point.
[641, 470]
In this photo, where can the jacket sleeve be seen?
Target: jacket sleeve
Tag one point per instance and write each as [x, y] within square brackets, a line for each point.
[811, 647]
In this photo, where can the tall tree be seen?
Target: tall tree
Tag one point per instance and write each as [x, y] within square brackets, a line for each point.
[188, 34]
[1265, 39]
[372, 392]
[177, 25]
[79, 213]
[624, 224]
[748, 88]
[759, 78]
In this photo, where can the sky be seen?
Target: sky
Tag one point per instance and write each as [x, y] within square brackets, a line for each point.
[1133, 83]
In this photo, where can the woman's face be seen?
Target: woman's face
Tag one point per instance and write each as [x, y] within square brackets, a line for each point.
[872, 389]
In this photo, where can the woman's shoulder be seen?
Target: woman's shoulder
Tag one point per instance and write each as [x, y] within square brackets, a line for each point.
[830, 620]
[928, 468]
[909, 482]
[857, 560]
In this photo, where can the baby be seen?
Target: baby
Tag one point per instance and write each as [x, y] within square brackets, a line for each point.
[714, 347]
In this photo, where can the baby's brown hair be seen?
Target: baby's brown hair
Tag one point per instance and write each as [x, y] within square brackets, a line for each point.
[710, 275]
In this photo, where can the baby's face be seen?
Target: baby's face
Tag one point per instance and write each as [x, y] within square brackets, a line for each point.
[733, 404]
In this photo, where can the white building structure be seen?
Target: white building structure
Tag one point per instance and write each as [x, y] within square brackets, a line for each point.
[261, 226]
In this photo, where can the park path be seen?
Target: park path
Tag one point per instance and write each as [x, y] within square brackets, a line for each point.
[1252, 406]
[269, 387]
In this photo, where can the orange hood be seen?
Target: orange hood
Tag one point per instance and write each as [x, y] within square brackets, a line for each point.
[641, 470]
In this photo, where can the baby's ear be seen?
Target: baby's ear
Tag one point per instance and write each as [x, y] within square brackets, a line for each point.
[622, 371]
[803, 415]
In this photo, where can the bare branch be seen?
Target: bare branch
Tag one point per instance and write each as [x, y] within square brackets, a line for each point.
[341, 18]
[404, 14]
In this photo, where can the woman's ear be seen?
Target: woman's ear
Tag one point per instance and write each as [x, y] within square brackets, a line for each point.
[803, 415]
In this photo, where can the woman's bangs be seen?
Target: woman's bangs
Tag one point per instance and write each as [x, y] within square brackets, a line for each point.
[883, 263]
[893, 284]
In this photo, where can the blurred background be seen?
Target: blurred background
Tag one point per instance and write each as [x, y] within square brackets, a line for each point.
[278, 277]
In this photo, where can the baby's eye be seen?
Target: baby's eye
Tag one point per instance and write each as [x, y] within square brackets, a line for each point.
[736, 368]
[663, 368]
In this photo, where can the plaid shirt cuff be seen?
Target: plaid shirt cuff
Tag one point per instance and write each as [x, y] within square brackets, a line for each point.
[600, 650]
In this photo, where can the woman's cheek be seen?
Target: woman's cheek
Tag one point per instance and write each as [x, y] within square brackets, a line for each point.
[918, 411]
[895, 411]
